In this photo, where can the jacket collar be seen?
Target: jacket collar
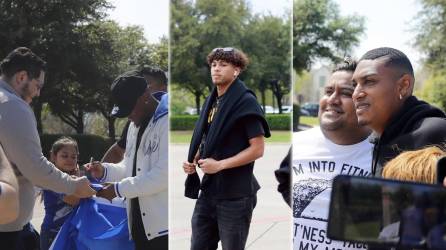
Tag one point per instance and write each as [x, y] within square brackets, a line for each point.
[163, 106]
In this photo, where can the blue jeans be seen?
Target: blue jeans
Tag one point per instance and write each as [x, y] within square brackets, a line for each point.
[227, 220]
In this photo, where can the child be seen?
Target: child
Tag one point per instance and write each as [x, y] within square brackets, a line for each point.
[64, 153]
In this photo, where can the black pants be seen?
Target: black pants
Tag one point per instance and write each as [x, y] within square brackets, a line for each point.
[26, 239]
[161, 243]
[138, 232]
[227, 221]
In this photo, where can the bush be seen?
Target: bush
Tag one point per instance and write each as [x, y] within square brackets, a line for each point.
[183, 122]
[89, 145]
[187, 122]
[296, 116]
[279, 121]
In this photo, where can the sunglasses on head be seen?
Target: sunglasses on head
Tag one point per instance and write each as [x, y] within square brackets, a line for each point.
[226, 49]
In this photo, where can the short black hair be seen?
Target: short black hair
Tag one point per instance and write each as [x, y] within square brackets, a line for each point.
[394, 58]
[348, 65]
[20, 59]
[156, 73]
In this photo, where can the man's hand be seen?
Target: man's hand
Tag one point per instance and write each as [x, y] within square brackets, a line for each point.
[108, 192]
[210, 166]
[189, 168]
[95, 169]
[83, 189]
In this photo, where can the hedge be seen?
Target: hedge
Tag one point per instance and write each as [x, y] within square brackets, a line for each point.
[183, 122]
[187, 122]
[89, 145]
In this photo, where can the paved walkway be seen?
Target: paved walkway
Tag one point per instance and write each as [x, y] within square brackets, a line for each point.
[271, 222]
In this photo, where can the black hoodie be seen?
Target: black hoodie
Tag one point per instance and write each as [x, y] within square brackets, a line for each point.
[415, 126]
[238, 103]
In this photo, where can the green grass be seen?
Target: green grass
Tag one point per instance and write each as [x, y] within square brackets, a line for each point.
[277, 136]
[309, 120]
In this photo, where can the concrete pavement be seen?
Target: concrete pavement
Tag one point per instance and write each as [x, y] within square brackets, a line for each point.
[271, 222]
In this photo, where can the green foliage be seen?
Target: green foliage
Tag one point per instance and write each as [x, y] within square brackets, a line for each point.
[270, 58]
[320, 32]
[84, 52]
[89, 145]
[183, 122]
[187, 122]
[48, 27]
[296, 116]
[434, 90]
[431, 29]
[196, 28]
[279, 121]
[431, 40]
[199, 26]
[181, 101]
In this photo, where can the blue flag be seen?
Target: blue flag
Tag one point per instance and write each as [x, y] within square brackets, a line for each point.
[94, 225]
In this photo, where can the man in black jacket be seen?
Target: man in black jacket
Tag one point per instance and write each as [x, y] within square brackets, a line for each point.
[384, 81]
[227, 139]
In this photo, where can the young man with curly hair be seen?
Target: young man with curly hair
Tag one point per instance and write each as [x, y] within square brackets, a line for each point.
[227, 139]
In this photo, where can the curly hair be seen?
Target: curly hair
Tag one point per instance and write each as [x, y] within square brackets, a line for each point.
[231, 55]
[348, 64]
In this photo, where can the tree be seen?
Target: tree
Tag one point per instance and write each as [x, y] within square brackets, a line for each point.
[196, 28]
[104, 50]
[267, 41]
[431, 40]
[320, 32]
[431, 37]
[47, 27]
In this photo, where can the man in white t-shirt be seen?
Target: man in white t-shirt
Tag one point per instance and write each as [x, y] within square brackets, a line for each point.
[338, 146]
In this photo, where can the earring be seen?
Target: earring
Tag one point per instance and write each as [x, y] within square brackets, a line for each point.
[401, 97]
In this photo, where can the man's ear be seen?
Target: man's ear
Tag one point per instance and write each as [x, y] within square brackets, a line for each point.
[237, 72]
[405, 85]
[21, 76]
[52, 157]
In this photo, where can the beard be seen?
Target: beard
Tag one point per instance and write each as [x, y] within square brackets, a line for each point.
[26, 93]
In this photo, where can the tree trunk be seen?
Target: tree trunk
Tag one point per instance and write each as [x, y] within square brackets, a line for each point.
[111, 127]
[80, 122]
[197, 102]
[263, 97]
[279, 102]
[37, 107]
[277, 93]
